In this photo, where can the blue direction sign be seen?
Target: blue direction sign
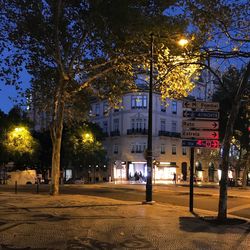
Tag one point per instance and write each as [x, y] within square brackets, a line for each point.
[201, 143]
[188, 143]
[201, 115]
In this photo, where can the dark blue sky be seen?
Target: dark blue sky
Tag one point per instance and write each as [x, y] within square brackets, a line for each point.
[9, 95]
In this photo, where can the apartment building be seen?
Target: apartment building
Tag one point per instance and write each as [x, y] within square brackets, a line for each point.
[126, 136]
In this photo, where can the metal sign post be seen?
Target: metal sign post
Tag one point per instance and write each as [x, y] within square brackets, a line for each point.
[191, 182]
[200, 131]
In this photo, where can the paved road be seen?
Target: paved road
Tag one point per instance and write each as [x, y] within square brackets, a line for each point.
[205, 198]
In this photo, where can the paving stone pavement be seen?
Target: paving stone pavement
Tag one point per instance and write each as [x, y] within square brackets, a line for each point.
[42, 222]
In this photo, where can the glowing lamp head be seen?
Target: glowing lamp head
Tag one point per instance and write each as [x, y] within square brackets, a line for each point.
[88, 137]
[183, 42]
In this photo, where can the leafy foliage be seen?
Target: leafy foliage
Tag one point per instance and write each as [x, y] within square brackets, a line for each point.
[75, 49]
[82, 146]
[17, 143]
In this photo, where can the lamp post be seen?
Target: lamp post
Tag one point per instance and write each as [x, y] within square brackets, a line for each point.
[150, 128]
[182, 42]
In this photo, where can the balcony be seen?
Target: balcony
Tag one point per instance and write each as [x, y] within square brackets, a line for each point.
[137, 151]
[137, 131]
[175, 134]
[168, 133]
[163, 133]
[115, 133]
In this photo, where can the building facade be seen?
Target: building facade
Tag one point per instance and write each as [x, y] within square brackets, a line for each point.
[126, 137]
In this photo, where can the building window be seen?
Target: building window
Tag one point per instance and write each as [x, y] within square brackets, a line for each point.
[173, 149]
[105, 108]
[163, 106]
[199, 93]
[105, 127]
[97, 109]
[162, 148]
[174, 126]
[174, 107]
[132, 148]
[138, 101]
[138, 147]
[115, 149]
[184, 151]
[116, 125]
[138, 123]
[163, 125]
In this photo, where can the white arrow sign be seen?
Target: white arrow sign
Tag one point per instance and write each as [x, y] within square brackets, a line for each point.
[200, 134]
[201, 124]
[201, 105]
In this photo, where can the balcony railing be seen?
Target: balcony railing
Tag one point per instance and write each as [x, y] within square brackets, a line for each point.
[168, 133]
[137, 151]
[137, 131]
[115, 133]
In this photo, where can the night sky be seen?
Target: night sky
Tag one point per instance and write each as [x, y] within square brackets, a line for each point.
[9, 95]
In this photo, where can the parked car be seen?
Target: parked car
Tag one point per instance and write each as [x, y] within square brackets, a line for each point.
[75, 181]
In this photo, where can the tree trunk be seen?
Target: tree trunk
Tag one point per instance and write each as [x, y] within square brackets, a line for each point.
[54, 188]
[222, 210]
[246, 170]
[56, 137]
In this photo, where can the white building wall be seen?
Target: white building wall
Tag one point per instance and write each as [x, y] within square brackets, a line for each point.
[124, 141]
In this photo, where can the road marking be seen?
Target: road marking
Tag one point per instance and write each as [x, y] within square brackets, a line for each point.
[234, 209]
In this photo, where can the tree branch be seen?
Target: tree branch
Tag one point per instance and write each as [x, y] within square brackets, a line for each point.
[58, 53]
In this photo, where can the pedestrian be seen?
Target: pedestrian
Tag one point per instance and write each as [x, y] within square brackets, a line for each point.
[174, 178]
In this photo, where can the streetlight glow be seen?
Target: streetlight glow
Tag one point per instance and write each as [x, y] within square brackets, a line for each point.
[183, 42]
[88, 137]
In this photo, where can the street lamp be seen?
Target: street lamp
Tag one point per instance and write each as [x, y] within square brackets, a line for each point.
[182, 42]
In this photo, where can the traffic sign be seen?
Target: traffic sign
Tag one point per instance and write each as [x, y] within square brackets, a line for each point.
[201, 115]
[208, 143]
[201, 105]
[201, 143]
[200, 134]
[200, 124]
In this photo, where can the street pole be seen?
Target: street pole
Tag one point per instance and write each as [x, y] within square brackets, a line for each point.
[150, 130]
[191, 181]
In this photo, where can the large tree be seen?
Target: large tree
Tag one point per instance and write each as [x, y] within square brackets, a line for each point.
[82, 146]
[223, 26]
[225, 95]
[80, 48]
[17, 142]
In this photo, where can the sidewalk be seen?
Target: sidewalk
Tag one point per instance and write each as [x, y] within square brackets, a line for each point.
[29, 221]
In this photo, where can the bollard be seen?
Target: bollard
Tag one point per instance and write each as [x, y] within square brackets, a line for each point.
[15, 187]
[37, 187]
